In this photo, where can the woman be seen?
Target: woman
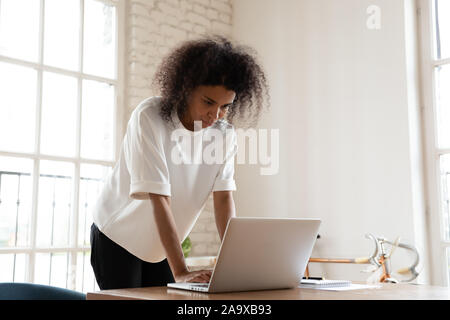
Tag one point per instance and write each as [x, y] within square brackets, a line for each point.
[150, 202]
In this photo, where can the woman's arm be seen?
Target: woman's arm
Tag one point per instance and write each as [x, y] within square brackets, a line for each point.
[169, 237]
[224, 209]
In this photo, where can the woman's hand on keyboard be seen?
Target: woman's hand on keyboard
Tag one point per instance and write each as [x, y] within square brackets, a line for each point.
[202, 276]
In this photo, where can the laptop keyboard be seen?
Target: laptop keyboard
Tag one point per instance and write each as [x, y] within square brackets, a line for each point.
[202, 285]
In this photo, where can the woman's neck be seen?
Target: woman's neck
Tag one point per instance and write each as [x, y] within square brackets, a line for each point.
[186, 122]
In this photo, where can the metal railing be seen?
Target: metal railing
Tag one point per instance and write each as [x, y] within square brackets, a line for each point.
[10, 246]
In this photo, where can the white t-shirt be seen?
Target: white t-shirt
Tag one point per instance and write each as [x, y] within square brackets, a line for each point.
[151, 162]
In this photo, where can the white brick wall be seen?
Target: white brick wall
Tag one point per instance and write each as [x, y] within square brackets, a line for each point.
[153, 28]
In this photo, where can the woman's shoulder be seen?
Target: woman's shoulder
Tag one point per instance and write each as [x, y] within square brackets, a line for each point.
[146, 114]
[152, 103]
[150, 107]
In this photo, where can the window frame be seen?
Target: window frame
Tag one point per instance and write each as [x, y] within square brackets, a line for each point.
[118, 81]
[437, 244]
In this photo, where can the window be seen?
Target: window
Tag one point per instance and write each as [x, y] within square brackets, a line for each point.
[60, 124]
[435, 43]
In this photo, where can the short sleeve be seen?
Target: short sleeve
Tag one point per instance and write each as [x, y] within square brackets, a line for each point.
[225, 177]
[145, 158]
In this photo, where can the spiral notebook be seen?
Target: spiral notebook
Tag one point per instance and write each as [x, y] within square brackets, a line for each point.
[313, 283]
[334, 285]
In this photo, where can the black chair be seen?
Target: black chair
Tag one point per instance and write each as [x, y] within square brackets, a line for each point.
[31, 291]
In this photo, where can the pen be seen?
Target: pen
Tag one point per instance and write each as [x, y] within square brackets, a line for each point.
[313, 278]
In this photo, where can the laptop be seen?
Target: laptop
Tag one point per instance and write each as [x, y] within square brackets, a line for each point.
[260, 254]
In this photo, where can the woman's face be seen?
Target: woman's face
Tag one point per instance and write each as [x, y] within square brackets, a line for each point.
[207, 104]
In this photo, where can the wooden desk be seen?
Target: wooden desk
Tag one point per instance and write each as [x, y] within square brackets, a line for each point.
[386, 292]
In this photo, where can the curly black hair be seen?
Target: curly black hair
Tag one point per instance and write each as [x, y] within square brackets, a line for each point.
[212, 61]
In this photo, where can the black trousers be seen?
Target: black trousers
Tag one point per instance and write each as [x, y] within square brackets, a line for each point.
[115, 268]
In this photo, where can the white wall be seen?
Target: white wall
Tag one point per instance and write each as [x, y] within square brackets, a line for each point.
[350, 148]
